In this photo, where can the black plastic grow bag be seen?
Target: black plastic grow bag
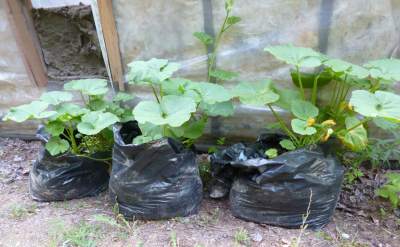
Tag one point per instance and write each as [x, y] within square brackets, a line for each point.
[155, 180]
[65, 177]
[278, 191]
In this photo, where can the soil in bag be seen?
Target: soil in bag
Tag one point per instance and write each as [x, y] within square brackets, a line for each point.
[155, 180]
[279, 191]
[67, 176]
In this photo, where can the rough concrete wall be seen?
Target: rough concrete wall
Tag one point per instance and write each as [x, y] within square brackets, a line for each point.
[69, 42]
[15, 85]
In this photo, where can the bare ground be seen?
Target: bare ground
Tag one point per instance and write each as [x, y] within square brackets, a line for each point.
[93, 222]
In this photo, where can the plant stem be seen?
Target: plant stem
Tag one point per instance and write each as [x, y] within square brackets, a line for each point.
[315, 89]
[283, 125]
[300, 82]
[83, 98]
[213, 57]
[331, 101]
[70, 131]
[105, 160]
[155, 94]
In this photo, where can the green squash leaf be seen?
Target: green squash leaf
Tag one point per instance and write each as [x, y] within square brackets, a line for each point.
[381, 104]
[173, 110]
[287, 144]
[229, 5]
[94, 122]
[55, 128]
[204, 38]
[122, 97]
[304, 110]
[154, 71]
[88, 86]
[150, 132]
[210, 93]
[356, 139]
[340, 66]
[298, 56]
[69, 109]
[192, 129]
[286, 97]
[56, 97]
[223, 74]
[386, 69]
[56, 145]
[386, 124]
[232, 20]
[301, 127]
[271, 153]
[33, 110]
[224, 109]
[257, 93]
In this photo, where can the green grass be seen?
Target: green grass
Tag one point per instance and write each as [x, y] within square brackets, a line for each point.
[19, 212]
[242, 237]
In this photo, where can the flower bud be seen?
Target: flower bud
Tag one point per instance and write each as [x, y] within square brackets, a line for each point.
[310, 121]
[328, 122]
[327, 135]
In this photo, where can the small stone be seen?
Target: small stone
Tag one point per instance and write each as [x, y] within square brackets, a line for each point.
[345, 236]
[18, 158]
[256, 237]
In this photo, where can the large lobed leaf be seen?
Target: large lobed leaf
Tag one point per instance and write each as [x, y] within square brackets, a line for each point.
[298, 56]
[210, 93]
[355, 139]
[303, 109]
[56, 97]
[224, 109]
[88, 86]
[257, 93]
[35, 110]
[379, 104]
[386, 69]
[94, 122]
[173, 111]
[153, 71]
[340, 66]
[56, 145]
[301, 127]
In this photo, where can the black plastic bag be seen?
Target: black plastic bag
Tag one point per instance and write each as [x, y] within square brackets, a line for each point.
[155, 180]
[278, 191]
[65, 177]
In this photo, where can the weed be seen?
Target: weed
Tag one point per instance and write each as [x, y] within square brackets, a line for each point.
[19, 212]
[80, 235]
[324, 236]
[174, 241]
[303, 226]
[391, 190]
[210, 218]
[242, 237]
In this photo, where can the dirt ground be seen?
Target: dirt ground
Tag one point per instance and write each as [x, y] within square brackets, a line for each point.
[92, 222]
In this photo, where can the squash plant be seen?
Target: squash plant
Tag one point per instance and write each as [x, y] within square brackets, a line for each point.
[79, 129]
[230, 20]
[314, 121]
[180, 108]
